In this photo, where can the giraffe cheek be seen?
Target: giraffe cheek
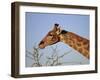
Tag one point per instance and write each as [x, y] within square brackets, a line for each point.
[54, 39]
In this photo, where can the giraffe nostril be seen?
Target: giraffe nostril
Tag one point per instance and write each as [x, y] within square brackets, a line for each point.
[41, 42]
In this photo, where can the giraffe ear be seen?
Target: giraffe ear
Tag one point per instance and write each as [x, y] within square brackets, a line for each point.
[56, 24]
[55, 27]
[58, 30]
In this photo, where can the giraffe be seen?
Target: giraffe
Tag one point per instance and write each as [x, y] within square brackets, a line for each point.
[75, 41]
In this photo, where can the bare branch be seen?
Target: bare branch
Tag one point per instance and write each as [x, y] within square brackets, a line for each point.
[29, 56]
[53, 59]
[65, 54]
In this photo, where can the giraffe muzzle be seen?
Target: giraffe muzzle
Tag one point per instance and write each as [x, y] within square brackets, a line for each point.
[41, 45]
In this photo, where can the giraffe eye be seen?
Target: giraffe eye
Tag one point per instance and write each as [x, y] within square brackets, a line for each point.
[50, 35]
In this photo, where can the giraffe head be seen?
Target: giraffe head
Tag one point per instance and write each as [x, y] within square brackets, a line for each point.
[51, 38]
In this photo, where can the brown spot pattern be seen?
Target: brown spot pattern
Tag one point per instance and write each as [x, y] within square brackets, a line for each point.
[78, 43]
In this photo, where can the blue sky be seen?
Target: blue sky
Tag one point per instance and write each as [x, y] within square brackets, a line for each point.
[38, 25]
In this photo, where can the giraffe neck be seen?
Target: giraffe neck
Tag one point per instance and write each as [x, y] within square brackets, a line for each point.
[76, 42]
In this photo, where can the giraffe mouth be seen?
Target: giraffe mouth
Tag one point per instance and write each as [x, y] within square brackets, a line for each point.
[41, 46]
